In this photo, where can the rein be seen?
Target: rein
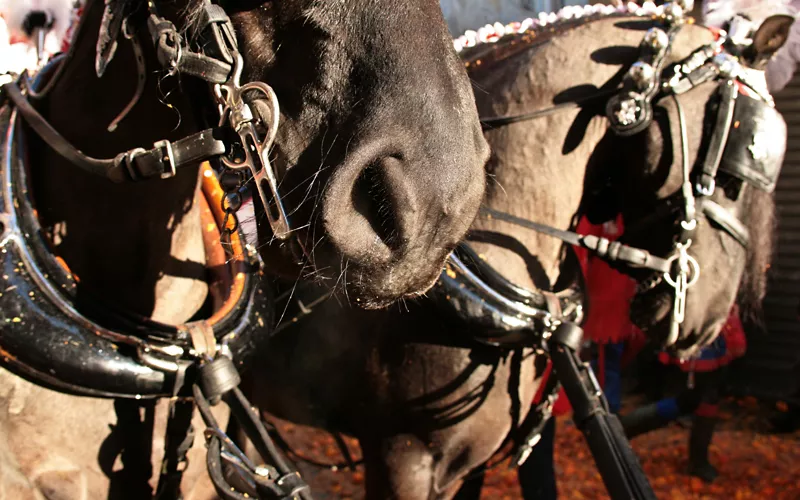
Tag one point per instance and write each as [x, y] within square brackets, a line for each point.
[491, 122]
[163, 160]
[610, 251]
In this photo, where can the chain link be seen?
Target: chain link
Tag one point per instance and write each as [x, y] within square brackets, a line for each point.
[230, 181]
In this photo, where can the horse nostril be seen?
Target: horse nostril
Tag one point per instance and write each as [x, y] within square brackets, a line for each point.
[36, 19]
[372, 199]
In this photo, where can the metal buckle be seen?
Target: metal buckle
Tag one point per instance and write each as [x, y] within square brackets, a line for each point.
[130, 157]
[169, 156]
[706, 187]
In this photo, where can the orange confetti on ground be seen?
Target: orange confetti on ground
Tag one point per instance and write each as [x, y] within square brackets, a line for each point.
[752, 465]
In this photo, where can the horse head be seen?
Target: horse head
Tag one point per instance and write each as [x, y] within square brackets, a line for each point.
[381, 155]
[376, 147]
[714, 216]
[643, 122]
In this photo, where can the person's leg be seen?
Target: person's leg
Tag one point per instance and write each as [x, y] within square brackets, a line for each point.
[537, 476]
[656, 415]
[786, 422]
[705, 419]
[699, 440]
[613, 375]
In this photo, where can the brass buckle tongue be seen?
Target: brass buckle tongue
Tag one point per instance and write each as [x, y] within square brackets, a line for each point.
[255, 150]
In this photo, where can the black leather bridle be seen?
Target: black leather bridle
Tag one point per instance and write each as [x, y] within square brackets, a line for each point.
[217, 62]
[197, 357]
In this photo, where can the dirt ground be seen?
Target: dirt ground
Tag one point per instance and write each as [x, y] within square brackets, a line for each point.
[752, 463]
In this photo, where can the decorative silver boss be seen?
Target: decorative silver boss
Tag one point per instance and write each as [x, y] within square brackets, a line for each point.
[656, 39]
[642, 74]
[627, 112]
[673, 13]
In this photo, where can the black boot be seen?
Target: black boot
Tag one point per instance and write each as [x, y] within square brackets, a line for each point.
[786, 422]
[537, 476]
[641, 420]
[699, 440]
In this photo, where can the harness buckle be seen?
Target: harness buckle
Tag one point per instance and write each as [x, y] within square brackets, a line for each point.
[129, 158]
[168, 157]
[705, 187]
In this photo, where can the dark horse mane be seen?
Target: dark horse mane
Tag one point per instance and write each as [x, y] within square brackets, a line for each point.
[494, 43]
[762, 225]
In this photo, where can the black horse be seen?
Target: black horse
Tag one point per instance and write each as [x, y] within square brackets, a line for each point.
[378, 161]
[427, 399]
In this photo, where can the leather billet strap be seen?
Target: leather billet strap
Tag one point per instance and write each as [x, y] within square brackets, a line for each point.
[728, 90]
[163, 160]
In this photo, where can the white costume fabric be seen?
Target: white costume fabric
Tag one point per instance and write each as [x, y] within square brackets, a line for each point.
[17, 52]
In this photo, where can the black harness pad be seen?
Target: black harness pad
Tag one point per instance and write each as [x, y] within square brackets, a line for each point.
[756, 143]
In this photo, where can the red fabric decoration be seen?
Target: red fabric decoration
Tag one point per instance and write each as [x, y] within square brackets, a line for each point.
[610, 292]
[76, 16]
[732, 345]
[707, 410]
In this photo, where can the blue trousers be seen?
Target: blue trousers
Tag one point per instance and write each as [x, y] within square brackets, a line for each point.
[612, 386]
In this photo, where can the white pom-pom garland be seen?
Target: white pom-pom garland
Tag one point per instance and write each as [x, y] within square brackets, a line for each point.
[491, 33]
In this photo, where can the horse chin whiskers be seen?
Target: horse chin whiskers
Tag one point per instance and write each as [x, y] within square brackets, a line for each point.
[650, 307]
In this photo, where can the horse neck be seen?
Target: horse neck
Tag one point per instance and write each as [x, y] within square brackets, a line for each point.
[134, 245]
[539, 167]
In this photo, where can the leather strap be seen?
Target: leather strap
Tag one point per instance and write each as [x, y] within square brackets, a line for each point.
[491, 122]
[553, 304]
[495, 280]
[203, 340]
[163, 160]
[172, 54]
[715, 212]
[603, 248]
[726, 221]
[215, 26]
[728, 90]
[166, 157]
[218, 25]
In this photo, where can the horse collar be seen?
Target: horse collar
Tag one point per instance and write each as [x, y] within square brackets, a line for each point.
[498, 312]
[114, 354]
